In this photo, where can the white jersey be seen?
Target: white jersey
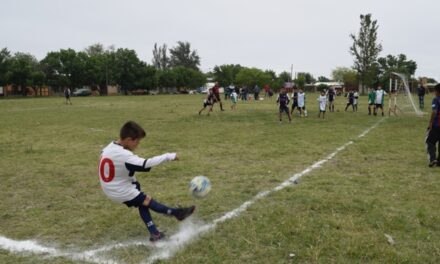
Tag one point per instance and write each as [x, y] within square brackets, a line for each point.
[322, 99]
[301, 99]
[117, 167]
[380, 96]
[356, 98]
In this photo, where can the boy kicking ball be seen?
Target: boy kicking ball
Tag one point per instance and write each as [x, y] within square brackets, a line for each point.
[117, 167]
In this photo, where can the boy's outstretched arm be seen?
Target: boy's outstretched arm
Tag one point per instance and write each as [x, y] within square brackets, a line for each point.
[136, 163]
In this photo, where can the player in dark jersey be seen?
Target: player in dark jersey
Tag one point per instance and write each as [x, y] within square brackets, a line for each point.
[216, 92]
[350, 100]
[283, 101]
[294, 100]
[331, 99]
[209, 101]
[433, 137]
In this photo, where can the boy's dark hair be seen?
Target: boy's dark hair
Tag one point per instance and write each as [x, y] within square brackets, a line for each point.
[132, 130]
[437, 88]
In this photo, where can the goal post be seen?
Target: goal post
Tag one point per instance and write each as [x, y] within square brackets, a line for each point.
[401, 85]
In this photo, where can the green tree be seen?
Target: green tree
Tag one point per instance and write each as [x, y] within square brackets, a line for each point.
[323, 79]
[399, 64]
[226, 74]
[188, 78]
[182, 55]
[5, 57]
[308, 78]
[365, 50]
[252, 76]
[166, 79]
[127, 65]
[285, 76]
[146, 77]
[160, 57]
[345, 75]
[21, 70]
[300, 81]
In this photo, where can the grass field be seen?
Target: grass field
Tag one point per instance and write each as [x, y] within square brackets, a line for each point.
[340, 213]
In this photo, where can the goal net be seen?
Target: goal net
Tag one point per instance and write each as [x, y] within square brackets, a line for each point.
[401, 86]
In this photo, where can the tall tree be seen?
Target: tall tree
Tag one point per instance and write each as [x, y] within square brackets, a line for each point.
[182, 55]
[160, 57]
[365, 50]
[5, 57]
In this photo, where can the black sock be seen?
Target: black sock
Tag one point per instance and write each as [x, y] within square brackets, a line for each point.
[160, 208]
[146, 217]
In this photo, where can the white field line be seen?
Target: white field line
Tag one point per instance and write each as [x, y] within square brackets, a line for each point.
[183, 237]
[189, 230]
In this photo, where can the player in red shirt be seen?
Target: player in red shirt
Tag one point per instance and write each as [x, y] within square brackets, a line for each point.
[216, 92]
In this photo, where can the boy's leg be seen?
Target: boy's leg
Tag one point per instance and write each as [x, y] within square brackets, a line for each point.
[146, 217]
[431, 141]
[179, 213]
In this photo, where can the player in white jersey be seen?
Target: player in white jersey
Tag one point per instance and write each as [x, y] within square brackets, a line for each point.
[380, 97]
[117, 167]
[322, 100]
[302, 103]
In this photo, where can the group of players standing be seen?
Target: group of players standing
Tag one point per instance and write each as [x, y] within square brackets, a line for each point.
[298, 97]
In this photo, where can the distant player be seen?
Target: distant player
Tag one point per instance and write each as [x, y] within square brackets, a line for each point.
[283, 102]
[322, 101]
[355, 100]
[433, 137]
[302, 103]
[234, 99]
[208, 102]
[294, 100]
[350, 100]
[117, 167]
[216, 91]
[67, 95]
[379, 100]
[371, 99]
[331, 99]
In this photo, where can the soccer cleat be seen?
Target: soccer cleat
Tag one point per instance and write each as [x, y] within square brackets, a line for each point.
[182, 213]
[432, 163]
[156, 237]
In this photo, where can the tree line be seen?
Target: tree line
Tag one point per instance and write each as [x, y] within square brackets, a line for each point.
[98, 67]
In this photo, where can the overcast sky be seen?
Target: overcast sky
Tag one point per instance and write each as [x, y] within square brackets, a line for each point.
[311, 35]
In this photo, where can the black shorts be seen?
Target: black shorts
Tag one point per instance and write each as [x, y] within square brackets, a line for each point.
[138, 200]
[379, 106]
[294, 105]
[217, 97]
[284, 108]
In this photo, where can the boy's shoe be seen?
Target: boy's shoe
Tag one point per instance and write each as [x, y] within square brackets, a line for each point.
[182, 213]
[156, 237]
[433, 163]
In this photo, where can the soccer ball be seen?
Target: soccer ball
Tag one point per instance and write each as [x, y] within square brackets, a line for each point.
[199, 186]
